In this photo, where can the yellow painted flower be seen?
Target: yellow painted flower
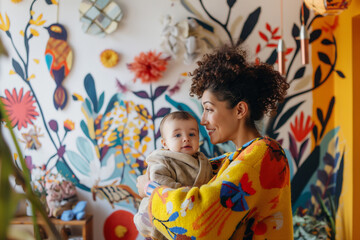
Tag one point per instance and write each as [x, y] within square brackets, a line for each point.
[31, 77]
[34, 32]
[37, 21]
[120, 231]
[16, 1]
[69, 125]
[4, 25]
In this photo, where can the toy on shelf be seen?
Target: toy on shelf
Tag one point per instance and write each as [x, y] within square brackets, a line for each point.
[78, 212]
[60, 197]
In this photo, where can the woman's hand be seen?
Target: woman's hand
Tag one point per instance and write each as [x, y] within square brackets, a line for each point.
[141, 182]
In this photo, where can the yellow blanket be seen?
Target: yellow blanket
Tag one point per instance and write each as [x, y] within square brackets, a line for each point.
[249, 198]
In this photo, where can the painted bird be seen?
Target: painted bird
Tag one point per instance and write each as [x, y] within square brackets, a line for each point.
[58, 57]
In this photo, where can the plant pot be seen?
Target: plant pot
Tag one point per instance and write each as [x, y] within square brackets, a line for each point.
[28, 208]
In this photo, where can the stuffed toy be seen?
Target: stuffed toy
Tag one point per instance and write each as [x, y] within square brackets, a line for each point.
[78, 212]
[60, 197]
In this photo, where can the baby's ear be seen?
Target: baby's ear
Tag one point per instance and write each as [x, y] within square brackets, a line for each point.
[163, 142]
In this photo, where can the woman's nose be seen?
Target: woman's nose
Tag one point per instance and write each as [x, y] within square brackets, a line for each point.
[203, 120]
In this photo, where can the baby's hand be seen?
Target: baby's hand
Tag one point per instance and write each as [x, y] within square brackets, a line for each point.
[142, 182]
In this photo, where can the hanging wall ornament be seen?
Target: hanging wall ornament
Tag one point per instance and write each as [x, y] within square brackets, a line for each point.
[183, 38]
[281, 49]
[304, 40]
[99, 17]
[58, 56]
[326, 7]
[304, 45]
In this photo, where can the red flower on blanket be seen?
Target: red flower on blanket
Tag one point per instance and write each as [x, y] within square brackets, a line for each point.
[148, 66]
[274, 172]
[232, 196]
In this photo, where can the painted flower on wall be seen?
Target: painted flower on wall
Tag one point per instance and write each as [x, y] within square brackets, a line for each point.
[4, 25]
[20, 108]
[148, 67]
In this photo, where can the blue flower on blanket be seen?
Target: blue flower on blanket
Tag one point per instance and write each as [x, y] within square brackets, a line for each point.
[232, 196]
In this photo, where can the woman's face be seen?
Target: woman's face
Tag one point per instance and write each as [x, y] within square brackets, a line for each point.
[220, 121]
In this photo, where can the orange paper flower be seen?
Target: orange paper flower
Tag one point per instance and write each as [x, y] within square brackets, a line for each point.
[148, 67]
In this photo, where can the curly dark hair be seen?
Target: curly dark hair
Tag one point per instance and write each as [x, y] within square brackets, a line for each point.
[228, 75]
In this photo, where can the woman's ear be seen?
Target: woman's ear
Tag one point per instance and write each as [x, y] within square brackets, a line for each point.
[241, 109]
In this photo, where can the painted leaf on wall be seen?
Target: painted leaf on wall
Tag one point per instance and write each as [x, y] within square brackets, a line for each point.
[159, 90]
[162, 112]
[273, 57]
[18, 68]
[314, 35]
[339, 180]
[85, 149]
[142, 94]
[299, 73]
[79, 163]
[89, 85]
[317, 77]
[304, 173]
[287, 115]
[203, 24]
[249, 25]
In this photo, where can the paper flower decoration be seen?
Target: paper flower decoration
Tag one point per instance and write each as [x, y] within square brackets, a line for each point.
[184, 37]
[99, 17]
[325, 7]
[109, 58]
[148, 67]
[20, 108]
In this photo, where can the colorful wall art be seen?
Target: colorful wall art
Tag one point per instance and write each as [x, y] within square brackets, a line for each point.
[100, 140]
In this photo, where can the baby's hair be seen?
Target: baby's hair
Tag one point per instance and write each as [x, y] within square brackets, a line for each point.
[178, 115]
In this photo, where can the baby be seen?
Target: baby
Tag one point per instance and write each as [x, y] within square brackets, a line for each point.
[178, 164]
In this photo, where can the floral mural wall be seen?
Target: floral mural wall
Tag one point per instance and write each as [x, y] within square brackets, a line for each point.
[95, 125]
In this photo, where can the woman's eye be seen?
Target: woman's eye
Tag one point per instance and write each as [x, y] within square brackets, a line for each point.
[208, 109]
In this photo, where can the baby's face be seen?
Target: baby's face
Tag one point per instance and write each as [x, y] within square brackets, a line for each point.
[181, 136]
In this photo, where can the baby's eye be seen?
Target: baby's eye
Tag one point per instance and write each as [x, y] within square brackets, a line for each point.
[192, 134]
[178, 135]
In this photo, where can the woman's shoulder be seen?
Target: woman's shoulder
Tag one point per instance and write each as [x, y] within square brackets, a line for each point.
[256, 150]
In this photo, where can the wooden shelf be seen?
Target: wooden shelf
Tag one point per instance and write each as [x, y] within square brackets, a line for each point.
[86, 224]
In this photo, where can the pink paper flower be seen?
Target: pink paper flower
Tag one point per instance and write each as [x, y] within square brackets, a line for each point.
[148, 67]
[20, 108]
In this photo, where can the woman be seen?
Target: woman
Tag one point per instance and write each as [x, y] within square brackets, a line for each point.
[249, 198]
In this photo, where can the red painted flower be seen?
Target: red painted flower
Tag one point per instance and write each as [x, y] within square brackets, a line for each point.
[299, 129]
[120, 225]
[148, 67]
[20, 108]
